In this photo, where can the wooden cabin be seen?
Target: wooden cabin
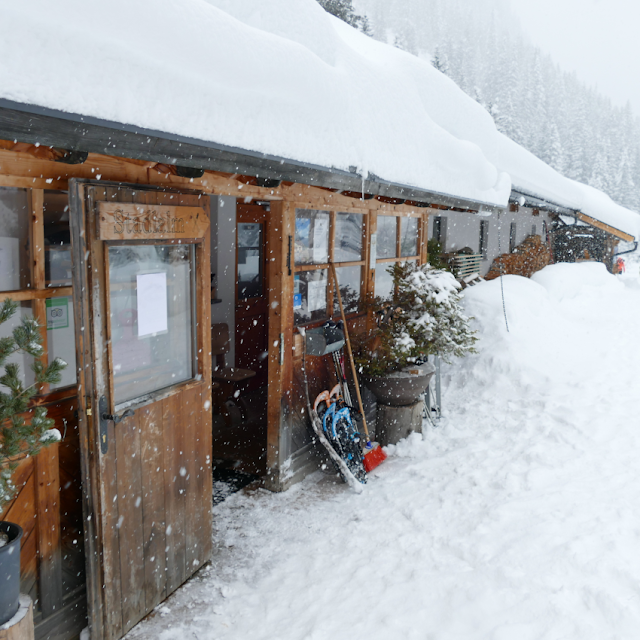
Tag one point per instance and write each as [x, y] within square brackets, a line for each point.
[155, 264]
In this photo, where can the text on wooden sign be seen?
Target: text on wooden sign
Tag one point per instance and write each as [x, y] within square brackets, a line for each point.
[129, 221]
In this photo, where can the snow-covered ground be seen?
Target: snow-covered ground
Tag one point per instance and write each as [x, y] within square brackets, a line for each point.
[517, 518]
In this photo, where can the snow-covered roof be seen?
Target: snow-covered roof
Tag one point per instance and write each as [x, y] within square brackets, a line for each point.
[531, 175]
[283, 78]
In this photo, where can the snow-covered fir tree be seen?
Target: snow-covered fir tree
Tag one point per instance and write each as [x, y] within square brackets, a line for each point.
[481, 46]
[344, 10]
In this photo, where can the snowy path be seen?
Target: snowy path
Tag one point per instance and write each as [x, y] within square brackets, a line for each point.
[518, 518]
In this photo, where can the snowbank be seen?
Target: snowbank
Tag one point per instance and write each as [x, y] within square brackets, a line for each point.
[515, 519]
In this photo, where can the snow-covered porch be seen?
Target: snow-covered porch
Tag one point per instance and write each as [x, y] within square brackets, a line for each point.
[515, 518]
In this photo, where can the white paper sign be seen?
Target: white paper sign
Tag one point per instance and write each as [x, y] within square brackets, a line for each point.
[152, 303]
[316, 295]
[321, 240]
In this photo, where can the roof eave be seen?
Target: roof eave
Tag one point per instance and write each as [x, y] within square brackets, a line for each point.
[52, 128]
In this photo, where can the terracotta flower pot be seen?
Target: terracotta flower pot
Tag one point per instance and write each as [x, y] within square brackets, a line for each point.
[401, 388]
[10, 572]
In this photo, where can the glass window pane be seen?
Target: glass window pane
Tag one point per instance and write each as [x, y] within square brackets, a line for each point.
[310, 296]
[350, 279]
[250, 267]
[387, 237]
[348, 237]
[57, 239]
[23, 360]
[384, 280]
[150, 294]
[14, 239]
[408, 237]
[312, 237]
[61, 342]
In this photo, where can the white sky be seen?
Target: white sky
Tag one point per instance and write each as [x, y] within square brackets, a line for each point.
[596, 38]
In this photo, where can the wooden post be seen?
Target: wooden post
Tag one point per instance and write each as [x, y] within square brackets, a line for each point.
[20, 627]
[46, 464]
[280, 235]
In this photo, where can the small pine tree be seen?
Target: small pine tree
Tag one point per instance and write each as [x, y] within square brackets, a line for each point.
[18, 436]
[440, 61]
[425, 318]
[344, 10]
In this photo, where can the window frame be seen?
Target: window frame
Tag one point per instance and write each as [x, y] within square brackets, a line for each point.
[39, 292]
[302, 268]
[484, 239]
[513, 233]
[399, 257]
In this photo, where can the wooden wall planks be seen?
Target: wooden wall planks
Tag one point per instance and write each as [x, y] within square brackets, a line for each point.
[154, 524]
[130, 520]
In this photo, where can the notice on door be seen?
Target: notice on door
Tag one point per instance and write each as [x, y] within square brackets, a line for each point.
[152, 303]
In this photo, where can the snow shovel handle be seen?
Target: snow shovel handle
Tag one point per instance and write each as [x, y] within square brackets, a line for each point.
[353, 364]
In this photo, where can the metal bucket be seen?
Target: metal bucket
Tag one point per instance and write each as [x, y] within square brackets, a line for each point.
[10, 572]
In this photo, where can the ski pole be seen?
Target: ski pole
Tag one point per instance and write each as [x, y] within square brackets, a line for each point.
[353, 364]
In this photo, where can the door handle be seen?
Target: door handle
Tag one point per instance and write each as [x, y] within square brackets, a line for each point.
[117, 419]
[105, 417]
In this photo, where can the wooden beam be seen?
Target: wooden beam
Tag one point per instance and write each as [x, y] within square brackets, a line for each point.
[605, 227]
[280, 227]
[19, 169]
[23, 295]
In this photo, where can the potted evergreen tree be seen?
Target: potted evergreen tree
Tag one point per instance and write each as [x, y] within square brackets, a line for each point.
[424, 317]
[22, 433]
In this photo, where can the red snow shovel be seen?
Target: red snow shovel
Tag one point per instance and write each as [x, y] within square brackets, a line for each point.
[373, 452]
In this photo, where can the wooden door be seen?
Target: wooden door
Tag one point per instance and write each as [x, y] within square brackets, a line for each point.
[252, 317]
[141, 299]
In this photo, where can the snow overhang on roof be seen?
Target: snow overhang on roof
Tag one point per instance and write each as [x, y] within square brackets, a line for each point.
[48, 127]
[528, 200]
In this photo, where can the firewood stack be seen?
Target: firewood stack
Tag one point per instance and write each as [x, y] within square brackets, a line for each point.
[529, 257]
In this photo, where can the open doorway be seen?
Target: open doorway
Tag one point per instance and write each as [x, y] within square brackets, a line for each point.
[240, 343]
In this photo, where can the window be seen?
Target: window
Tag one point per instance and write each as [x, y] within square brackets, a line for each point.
[534, 230]
[397, 241]
[440, 230]
[61, 337]
[39, 272]
[512, 237]
[57, 239]
[150, 351]
[23, 360]
[312, 237]
[14, 239]
[408, 237]
[387, 237]
[484, 238]
[322, 237]
[250, 276]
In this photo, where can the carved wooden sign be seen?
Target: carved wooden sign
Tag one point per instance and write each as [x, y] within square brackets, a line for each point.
[130, 221]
